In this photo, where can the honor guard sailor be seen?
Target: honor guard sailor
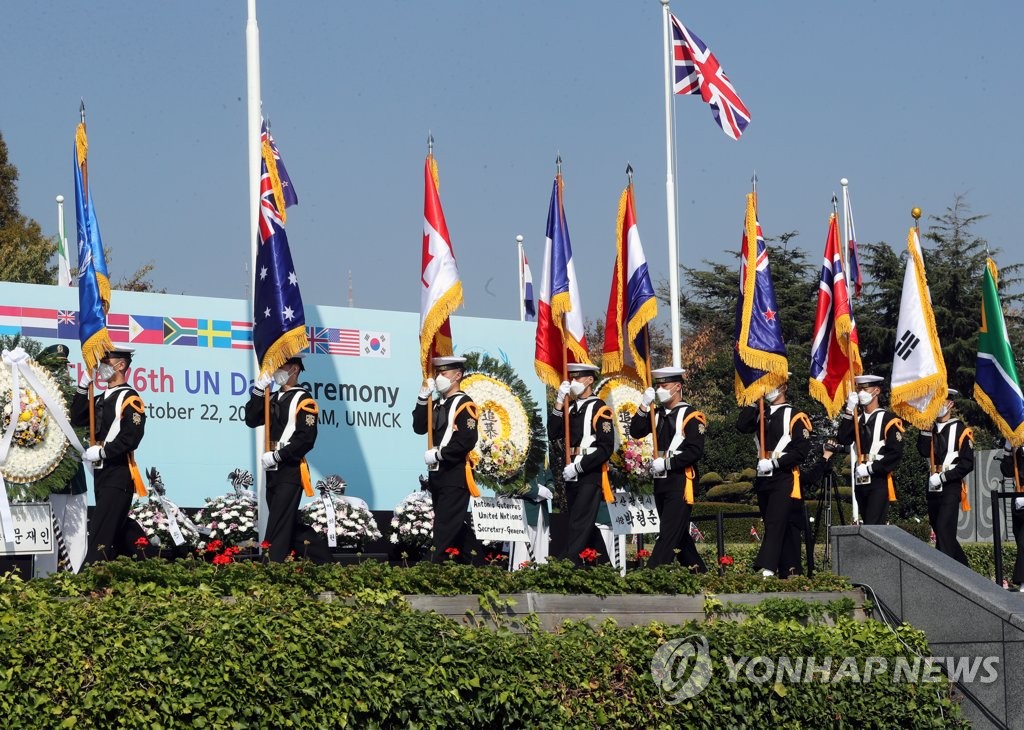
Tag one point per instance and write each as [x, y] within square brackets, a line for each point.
[453, 428]
[949, 448]
[120, 426]
[293, 431]
[680, 430]
[881, 448]
[591, 442]
[777, 485]
[1012, 467]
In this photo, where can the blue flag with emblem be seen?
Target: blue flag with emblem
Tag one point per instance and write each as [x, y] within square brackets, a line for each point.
[93, 281]
[759, 355]
[279, 321]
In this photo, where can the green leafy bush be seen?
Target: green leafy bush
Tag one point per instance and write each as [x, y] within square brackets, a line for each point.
[711, 479]
[272, 659]
[742, 492]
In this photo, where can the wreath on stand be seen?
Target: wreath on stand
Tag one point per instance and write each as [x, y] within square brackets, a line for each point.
[39, 461]
[512, 437]
[630, 465]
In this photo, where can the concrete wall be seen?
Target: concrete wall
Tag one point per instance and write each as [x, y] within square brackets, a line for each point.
[961, 613]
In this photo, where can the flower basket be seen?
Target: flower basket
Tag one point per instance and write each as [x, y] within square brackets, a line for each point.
[412, 526]
[630, 465]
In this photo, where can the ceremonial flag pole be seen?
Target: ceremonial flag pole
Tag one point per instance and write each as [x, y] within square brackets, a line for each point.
[63, 260]
[852, 280]
[670, 185]
[522, 284]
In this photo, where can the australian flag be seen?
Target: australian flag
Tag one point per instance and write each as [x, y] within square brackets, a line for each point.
[290, 196]
[760, 353]
[279, 322]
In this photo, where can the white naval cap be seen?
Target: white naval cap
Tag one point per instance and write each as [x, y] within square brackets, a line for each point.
[582, 368]
[448, 362]
[952, 393]
[868, 379]
[668, 375]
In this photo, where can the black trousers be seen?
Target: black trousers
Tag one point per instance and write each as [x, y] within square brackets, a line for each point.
[873, 502]
[791, 556]
[450, 503]
[674, 515]
[775, 505]
[285, 532]
[943, 514]
[1018, 536]
[584, 497]
[114, 490]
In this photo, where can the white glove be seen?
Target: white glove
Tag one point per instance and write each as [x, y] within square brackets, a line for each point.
[851, 403]
[269, 459]
[263, 381]
[570, 472]
[563, 391]
[431, 457]
[862, 472]
[647, 398]
[1007, 446]
[93, 454]
[426, 390]
[764, 466]
[1018, 503]
[658, 466]
[546, 494]
[935, 480]
[83, 382]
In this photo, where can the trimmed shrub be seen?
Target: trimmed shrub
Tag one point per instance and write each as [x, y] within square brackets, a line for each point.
[735, 492]
[711, 479]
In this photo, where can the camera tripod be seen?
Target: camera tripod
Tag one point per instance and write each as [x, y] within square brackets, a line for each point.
[828, 499]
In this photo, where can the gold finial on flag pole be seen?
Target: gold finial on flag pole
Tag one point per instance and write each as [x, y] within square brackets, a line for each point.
[915, 213]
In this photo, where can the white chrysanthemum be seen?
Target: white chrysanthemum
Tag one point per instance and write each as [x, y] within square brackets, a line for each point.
[40, 445]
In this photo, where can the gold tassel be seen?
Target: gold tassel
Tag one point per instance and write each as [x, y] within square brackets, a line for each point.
[442, 309]
[94, 348]
[892, 489]
[275, 180]
[286, 346]
[795, 494]
[81, 144]
[688, 491]
[140, 486]
[965, 503]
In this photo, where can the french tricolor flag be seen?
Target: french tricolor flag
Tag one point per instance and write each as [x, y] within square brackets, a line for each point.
[560, 327]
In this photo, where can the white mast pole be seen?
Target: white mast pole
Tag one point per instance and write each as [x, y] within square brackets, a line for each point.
[844, 183]
[253, 112]
[670, 186]
[519, 265]
[64, 263]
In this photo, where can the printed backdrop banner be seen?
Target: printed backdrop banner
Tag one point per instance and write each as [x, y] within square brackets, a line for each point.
[194, 363]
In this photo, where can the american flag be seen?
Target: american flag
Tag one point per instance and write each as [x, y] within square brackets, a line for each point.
[698, 72]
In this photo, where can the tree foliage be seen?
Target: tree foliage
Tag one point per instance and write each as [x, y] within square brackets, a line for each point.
[25, 253]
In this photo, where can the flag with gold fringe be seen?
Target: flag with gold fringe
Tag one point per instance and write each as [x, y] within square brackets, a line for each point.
[759, 355]
[918, 369]
[631, 304]
[441, 292]
[560, 327]
[996, 385]
[279, 320]
[93, 280]
[835, 350]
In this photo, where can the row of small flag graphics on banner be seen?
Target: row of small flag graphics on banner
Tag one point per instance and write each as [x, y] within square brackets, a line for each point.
[146, 329]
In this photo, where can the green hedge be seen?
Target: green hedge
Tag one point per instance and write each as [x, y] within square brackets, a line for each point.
[733, 492]
[271, 659]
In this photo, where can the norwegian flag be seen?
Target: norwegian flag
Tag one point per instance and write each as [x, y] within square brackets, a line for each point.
[835, 350]
[697, 71]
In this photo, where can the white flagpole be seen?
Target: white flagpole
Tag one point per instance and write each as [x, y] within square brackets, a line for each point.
[855, 516]
[64, 258]
[522, 291]
[253, 113]
[670, 186]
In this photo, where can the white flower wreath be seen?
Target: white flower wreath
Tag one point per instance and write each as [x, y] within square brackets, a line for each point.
[503, 425]
[38, 445]
[632, 455]
[413, 523]
[354, 525]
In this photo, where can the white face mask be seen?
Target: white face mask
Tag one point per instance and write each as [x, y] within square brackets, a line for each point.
[105, 371]
[864, 397]
[281, 376]
[944, 411]
[771, 395]
[664, 395]
[577, 388]
[442, 383]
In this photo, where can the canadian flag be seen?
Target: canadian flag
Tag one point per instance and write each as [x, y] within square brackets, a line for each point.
[441, 291]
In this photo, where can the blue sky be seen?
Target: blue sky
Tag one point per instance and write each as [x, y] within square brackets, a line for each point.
[908, 100]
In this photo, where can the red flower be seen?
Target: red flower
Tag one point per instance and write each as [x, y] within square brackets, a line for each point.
[265, 545]
[142, 542]
[453, 552]
[641, 554]
[222, 559]
[589, 555]
[233, 550]
[525, 564]
[214, 546]
[725, 560]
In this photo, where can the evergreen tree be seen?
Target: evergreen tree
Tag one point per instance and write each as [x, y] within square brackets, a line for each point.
[25, 253]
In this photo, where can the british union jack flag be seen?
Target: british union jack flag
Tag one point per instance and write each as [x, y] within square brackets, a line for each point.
[698, 72]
